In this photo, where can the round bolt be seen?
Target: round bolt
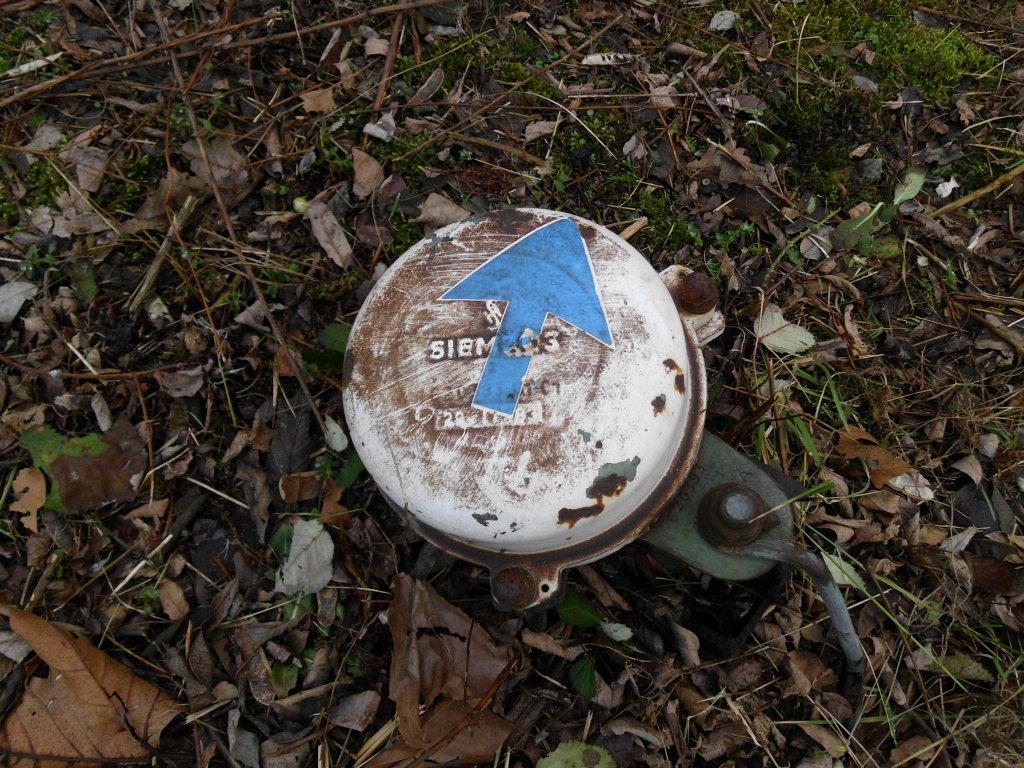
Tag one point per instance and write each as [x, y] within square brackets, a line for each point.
[513, 588]
[697, 293]
[732, 515]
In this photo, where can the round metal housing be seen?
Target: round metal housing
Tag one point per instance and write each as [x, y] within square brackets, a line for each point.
[522, 386]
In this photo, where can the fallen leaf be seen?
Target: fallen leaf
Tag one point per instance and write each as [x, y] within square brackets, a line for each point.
[438, 211]
[320, 101]
[172, 600]
[13, 296]
[547, 644]
[90, 709]
[228, 167]
[90, 166]
[913, 484]
[807, 673]
[383, 129]
[907, 189]
[30, 483]
[780, 335]
[538, 129]
[917, 748]
[962, 666]
[577, 754]
[607, 59]
[855, 443]
[369, 174]
[154, 510]
[857, 229]
[355, 712]
[854, 341]
[300, 486]
[971, 467]
[439, 654]
[335, 438]
[620, 633]
[844, 574]
[310, 563]
[428, 89]
[634, 148]
[88, 471]
[180, 383]
[329, 234]
[377, 46]
[723, 21]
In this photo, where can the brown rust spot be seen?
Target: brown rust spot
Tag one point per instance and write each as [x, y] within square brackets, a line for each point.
[671, 365]
[680, 383]
[658, 404]
[610, 485]
[572, 516]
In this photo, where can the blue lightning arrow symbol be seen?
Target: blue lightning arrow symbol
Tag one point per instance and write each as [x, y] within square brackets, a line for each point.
[545, 272]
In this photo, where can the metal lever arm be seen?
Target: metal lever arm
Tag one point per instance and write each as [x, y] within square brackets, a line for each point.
[852, 683]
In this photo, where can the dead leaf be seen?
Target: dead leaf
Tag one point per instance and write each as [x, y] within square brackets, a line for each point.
[854, 342]
[13, 296]
[355, 712]
[154, 510]
[329, 234]
[73, 216]
[439, 652]
[89, 481]
[438, 211]
[538, 129]
[228, 167]
[971, 467]
[369, 174]
[916, 747]
[912, 484]
[377, 46]
[310, 563]
[30, 483]
[300, 486]
[807, 673]
[320, 101]
[172, 600]
[855, 443]
[90, 166]
[90, 708]
[780, 335]
[547, 644]
[180, 383]
[428, 89]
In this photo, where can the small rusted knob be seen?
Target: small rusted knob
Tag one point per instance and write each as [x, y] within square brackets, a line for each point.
[695, 293]
[732, 515]
[513, 588]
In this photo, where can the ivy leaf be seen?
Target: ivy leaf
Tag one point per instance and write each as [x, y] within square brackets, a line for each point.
[577, 611]
[584, 677]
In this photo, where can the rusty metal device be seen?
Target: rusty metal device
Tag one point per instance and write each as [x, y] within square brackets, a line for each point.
[531, 394]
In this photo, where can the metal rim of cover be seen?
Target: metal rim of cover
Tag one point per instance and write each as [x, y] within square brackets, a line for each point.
[522, 386]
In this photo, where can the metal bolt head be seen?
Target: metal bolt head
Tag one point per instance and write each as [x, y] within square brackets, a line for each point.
[732, 515]
[513, 588]
[696, 294]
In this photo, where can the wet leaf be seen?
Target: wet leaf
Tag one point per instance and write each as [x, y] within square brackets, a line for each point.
[30, 483]
[574, 609]
[310, 563]
[577, 754]
[86, 695]
[329, 234]
[780, 335]
[584, 677]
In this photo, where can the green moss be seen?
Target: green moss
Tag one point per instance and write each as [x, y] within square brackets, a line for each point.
[906, 52]
[127, 186]
[44, 183]
[9, 213]
[335, 290]
[973, 169]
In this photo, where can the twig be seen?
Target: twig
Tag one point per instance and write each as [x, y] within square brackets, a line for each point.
[543, 165]
[180, 219]
[1006, 178]
[504, 95]
[140, 58]
[101, 375]
[389, 63]
[230, 226]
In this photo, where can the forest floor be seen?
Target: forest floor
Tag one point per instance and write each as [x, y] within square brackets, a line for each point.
[195, 199]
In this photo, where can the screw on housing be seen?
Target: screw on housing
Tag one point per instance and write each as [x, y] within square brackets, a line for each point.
[695, 293]
[732, 515]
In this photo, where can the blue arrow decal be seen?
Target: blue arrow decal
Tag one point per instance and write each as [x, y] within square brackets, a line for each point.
[545, 272]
